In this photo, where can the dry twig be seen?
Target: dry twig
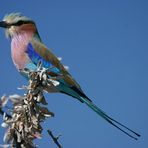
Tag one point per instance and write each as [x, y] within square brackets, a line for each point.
[55, 139]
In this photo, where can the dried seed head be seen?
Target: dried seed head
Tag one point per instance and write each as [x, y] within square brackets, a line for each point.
[27, 113]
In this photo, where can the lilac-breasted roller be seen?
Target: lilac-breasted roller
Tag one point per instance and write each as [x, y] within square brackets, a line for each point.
[27, 50]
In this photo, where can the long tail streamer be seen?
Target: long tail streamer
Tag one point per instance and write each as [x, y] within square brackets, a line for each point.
[112, 121]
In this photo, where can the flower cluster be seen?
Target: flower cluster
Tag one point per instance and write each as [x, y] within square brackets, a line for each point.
[23, 120]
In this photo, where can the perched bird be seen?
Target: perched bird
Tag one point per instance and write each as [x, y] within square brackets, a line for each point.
[27, 49]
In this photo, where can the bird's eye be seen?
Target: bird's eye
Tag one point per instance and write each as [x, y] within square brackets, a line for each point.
[19, 23]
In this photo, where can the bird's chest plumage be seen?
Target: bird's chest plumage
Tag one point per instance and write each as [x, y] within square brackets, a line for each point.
[18, 50]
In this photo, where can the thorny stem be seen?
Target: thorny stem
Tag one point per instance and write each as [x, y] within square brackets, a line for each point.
[24, 120]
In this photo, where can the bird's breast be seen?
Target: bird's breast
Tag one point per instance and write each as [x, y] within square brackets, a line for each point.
[18, 50]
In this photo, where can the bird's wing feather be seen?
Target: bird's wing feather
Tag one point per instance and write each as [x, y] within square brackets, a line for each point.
[37, 51]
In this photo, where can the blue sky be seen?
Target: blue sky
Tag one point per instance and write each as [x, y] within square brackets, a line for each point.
[105, 44]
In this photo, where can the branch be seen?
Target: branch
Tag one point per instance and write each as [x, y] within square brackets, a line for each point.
[55, 139]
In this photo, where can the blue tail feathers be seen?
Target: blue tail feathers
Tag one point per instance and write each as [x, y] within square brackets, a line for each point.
[113, 122]
[78, 94]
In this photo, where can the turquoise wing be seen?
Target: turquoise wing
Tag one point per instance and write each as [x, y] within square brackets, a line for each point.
[38, 52]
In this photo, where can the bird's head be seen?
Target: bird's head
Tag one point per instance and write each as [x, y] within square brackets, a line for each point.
[15, 23]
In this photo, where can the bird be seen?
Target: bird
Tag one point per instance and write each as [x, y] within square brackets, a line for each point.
[27, 50]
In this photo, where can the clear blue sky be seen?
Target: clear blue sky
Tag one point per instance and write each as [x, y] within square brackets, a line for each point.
[105, 44]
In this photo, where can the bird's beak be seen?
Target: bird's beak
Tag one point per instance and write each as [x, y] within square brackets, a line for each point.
[4, 24]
